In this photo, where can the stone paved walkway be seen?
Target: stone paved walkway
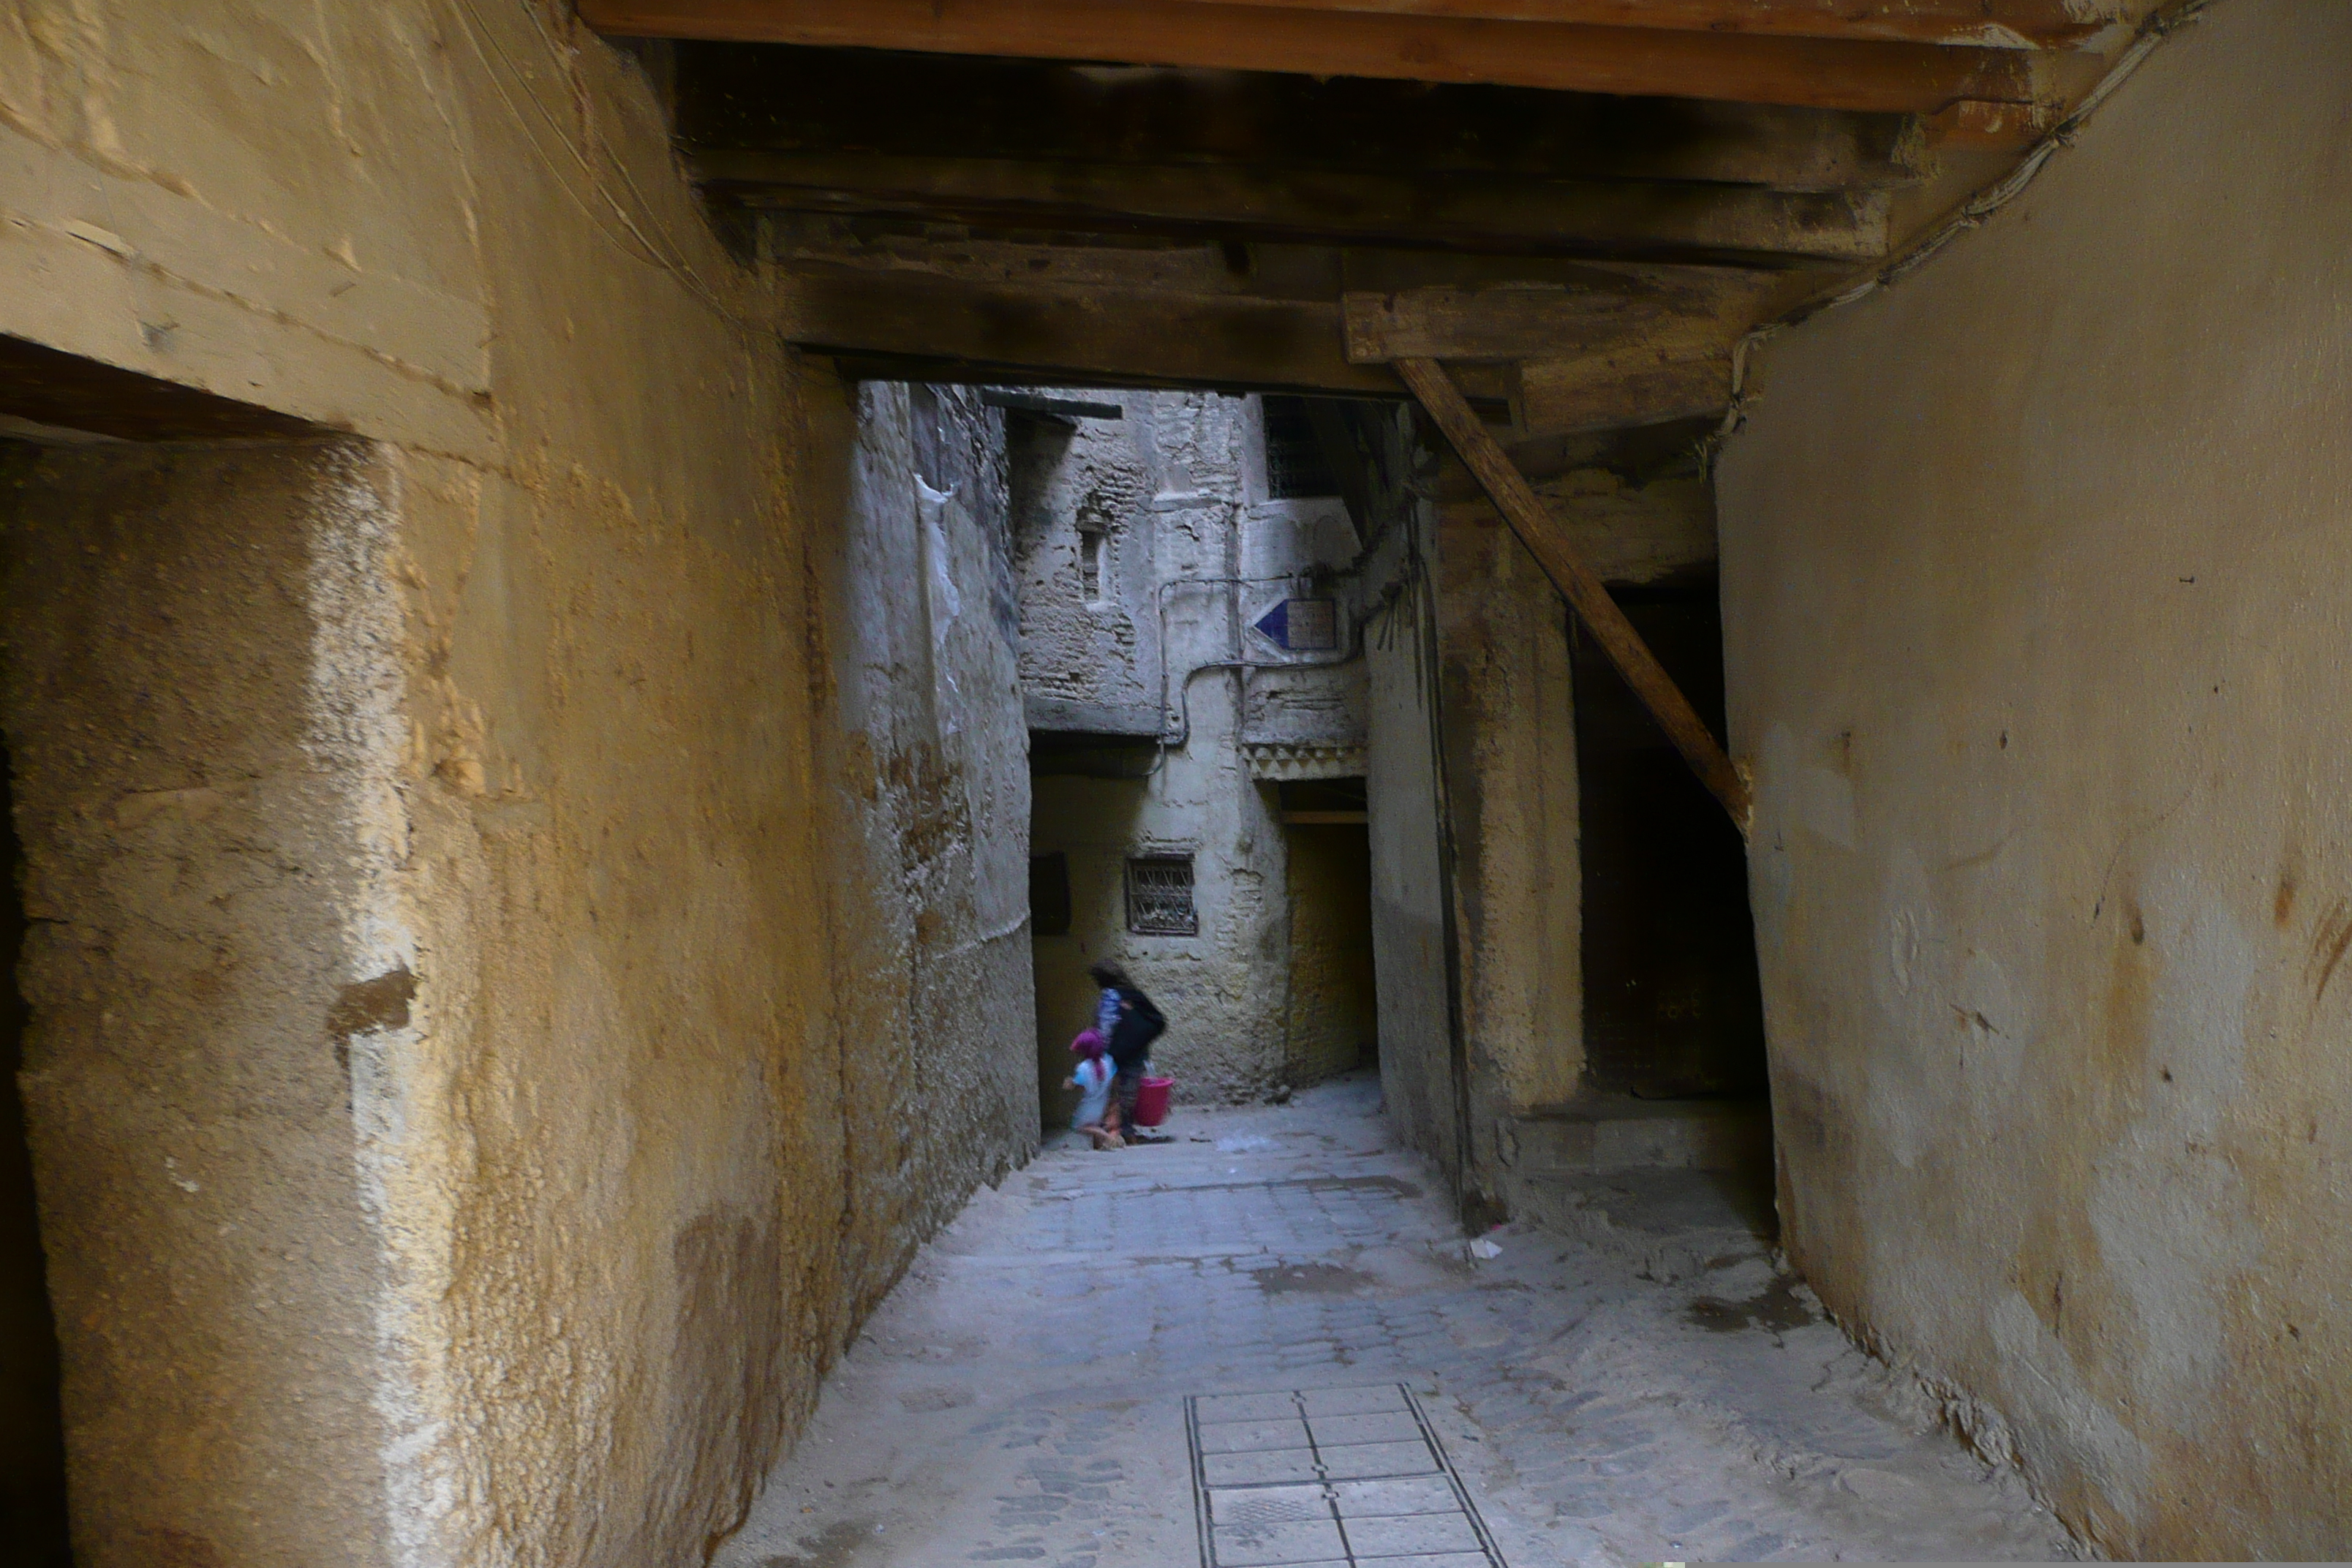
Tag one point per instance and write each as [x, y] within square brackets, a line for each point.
[1636, 1385]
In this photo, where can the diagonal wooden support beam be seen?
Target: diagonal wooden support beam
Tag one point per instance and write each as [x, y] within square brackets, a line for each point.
[1525, 511]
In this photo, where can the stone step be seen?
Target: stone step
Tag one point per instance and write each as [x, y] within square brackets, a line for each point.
[1622, 1134]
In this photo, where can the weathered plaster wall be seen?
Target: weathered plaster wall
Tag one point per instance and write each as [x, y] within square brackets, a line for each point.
[1413, 949]
[1509, 727]
[1505, 704]
[1222, 989]
[1474, 804]
[1090, 661]
[2036, 587]
[934, 990]
[541, 710]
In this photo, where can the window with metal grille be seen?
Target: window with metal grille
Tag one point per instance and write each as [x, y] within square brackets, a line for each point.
[1295, 468]
[1159, 896]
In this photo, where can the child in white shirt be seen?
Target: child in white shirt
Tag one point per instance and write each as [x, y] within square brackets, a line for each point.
[1092, 1079]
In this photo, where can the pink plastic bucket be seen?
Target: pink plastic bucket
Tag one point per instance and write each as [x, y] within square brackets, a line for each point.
[1152, 1102]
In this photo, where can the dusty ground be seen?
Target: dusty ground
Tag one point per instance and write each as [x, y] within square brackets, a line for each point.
[1635, 1384]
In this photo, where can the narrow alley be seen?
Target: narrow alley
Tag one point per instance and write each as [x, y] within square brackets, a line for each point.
[1136, 784]
[1631, 1381]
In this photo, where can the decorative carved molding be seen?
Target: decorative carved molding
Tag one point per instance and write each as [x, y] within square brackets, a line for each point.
[1278, 760]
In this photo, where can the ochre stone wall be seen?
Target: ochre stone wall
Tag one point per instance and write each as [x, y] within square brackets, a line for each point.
[2035, 580]
[599, 1148]
[544, 671]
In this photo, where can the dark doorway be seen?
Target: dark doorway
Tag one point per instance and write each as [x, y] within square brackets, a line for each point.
[1334, 1014]
[1672, 1009]
[58, 400]
[32, 1432]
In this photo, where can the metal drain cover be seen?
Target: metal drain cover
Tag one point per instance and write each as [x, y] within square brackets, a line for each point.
[1327, 1477]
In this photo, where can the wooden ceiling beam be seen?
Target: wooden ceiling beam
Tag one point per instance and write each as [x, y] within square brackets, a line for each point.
[1988, 23]
[1496, 323]
[1461, 213]
[1323, 274]
[785, 99]
[1564, 347]
[1621, 389]
[957, 329]
[1824, 73]
[908, 326]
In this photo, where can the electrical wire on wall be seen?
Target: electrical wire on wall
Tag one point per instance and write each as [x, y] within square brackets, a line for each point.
[630, 238]
[1352, 648]
[1373, 530]
[1236, 661]
[2159, 26]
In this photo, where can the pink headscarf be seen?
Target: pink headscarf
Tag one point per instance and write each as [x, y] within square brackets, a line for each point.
[1088, 1044]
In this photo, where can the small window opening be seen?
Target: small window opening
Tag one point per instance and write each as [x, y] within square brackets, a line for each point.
[1159, 896]
[1295, 468]
[1090, 566]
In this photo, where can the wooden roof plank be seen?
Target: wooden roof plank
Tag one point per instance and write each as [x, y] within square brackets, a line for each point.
[1604, 218]
[1824, 73]
[787, 98]
[1494, 323]
[1735, 297]
[1616, 390]
[988, 331]
[1988, 24]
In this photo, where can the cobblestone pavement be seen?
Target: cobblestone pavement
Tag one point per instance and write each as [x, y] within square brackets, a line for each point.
[1636, 1385]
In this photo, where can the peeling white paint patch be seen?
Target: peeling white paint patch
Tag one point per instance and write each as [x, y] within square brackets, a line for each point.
[944, 603]
[359, 734]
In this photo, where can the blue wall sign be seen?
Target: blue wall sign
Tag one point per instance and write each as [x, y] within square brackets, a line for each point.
[1301, 625]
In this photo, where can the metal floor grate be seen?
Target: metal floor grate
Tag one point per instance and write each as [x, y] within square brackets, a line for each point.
[1327, 1477]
